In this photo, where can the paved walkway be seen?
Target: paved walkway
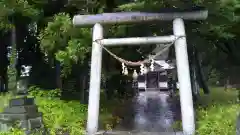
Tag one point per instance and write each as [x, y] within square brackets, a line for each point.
[151, 112]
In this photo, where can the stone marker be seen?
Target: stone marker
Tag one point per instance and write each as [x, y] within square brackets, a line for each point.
[24, 111]
[21, 111]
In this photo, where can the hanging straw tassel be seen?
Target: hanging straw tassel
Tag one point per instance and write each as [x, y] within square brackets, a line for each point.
[142, 69]
[123, 68]
[135, 75]
[145, 69]
[152, 65]
[125, 71]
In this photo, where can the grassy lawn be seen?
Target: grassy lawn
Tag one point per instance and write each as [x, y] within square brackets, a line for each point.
[216, 113]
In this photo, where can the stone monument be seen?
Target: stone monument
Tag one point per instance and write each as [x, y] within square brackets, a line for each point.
[21, 111]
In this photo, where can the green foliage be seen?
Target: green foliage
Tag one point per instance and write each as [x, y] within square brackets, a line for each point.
[56, 117]
[218, 119]
[69, 45]
[37, 92]
[13, 131]
[55, 35]
[217, 113]
[11, 7]
[62, 116]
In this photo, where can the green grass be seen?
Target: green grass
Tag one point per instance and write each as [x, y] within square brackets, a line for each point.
[216, 114]
[65, 115]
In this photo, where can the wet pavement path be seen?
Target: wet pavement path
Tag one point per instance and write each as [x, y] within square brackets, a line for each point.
[151, 112]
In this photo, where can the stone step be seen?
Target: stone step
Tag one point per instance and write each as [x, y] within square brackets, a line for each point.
[28, 125]
[21, 109]
[32, 123]
[22, 116]
[21, 101]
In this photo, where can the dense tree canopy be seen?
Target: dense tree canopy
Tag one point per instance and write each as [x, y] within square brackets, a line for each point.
[45, 35]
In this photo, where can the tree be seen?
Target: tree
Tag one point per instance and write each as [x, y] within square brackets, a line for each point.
[70, 46]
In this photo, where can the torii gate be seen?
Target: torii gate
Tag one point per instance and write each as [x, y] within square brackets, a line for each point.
[178, 37]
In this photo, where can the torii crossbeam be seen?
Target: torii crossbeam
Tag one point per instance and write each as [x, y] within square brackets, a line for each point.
[178, 37]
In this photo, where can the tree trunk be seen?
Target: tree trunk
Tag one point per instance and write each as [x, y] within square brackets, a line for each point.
[58, 75]
[82, 88]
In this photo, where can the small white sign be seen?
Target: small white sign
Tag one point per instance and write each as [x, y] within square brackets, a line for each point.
[141, 85]
[163, 84]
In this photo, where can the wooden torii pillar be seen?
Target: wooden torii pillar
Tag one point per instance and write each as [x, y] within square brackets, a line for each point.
[178, 37]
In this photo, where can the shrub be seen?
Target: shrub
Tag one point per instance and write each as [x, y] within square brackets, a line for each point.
[60, 115]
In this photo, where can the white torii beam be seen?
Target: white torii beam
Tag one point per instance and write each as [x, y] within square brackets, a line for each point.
[137, 17]
[188, 122]
[137, 40]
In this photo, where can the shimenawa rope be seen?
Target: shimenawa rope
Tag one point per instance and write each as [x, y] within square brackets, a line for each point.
[138, 63]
